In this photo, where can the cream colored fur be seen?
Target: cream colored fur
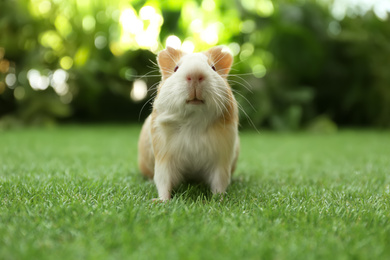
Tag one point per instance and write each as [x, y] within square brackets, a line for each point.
[182, 141]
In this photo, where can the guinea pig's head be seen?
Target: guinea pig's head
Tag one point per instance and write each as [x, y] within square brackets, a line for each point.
[194, 82]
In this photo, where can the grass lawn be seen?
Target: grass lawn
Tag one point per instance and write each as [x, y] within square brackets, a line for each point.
[75, 193]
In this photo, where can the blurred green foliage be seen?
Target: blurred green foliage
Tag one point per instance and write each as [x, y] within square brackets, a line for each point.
[296, 65]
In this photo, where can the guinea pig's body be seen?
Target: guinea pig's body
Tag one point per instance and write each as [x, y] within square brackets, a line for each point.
[192, 133]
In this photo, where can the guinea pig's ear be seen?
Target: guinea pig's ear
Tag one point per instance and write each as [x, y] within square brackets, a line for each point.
[221, 59]
[168, 60]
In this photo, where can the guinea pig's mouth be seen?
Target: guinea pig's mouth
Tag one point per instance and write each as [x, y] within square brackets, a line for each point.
[195, 101]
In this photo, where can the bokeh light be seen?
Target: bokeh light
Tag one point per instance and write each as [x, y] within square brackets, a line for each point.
[89, 23]
[210, 34]
[66, 62]
[342, 8]
[58, 82]
[100, 42]
[19, 93]
[173, 41]
[234, 48]
[10, 80]
[139, 90]
[37, 81]
[138, 31]
[188, 46]
[259, 70]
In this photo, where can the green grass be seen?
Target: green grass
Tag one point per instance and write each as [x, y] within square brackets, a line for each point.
[76, 193]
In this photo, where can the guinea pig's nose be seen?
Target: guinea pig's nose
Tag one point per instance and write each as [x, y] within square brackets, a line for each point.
[195, 77]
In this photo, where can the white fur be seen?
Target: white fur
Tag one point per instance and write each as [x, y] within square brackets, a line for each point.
[191, 147]
[173, 94]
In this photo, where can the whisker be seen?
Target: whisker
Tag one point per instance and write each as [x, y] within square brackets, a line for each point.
[241, 78]
[215, 99]
[240, 84]
[146, 76]
[151, 67]
[153, 95]
[247, 117]
[220, 57]
[142, 108]
[239, 62]
[223, 101]
[154, 63]
[238, 93]
[241, 74]
[154, 85]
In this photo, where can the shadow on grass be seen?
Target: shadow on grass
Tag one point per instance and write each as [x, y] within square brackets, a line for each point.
[191, 191]
[195, 192]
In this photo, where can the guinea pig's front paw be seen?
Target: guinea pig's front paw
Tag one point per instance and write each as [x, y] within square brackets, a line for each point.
[219, 196]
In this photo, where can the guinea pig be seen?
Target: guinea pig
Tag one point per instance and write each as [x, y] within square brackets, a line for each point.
[192, 132]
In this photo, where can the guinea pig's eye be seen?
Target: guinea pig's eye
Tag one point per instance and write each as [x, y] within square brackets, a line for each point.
[213, 67]
[175, 69]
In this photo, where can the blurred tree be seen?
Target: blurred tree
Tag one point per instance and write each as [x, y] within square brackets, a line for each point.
[90, 60]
